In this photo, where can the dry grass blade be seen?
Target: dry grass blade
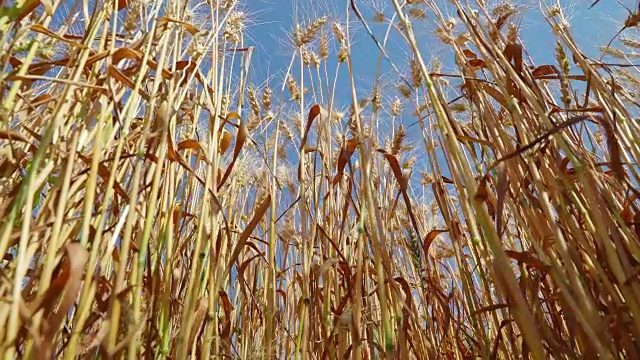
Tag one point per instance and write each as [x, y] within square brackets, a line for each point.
[313, 113]
[431, 236]
[43, 30]
[13, 136]
[189, 27]
[70, 281]
[495, 94]
[501, 190]
[572, 121]
[614, 148]
[259, 212]
[544, 70]
[241, 137]
[346, 152]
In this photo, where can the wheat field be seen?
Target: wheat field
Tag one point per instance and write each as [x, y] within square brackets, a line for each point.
[160, 200]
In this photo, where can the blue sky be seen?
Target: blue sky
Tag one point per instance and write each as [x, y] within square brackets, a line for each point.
[272, 21]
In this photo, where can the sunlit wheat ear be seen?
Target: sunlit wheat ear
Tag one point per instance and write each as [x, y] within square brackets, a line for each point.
[253, 100]
[234, 27]
[340, 36]
[503, 9]
[407, 167]
[613, 52]
[224, 102]
[379, 17]
[459, 108]
[266, 97]
[338, 32]
[305, 53]
[396, 106]
[296, 121]
[417, 13]
[304, 35]
[444, 33]
[48, 49]
[398, 140]
[323, 46]
[629, 42]
[314, 59]
[404, 90]
[632, 79]
[337, 116]
[416, 74]
[228, 4]
[376, 99]
[294, 90]
[563, 61]
[343, 53]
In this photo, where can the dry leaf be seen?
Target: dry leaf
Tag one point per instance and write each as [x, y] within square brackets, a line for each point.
[477, 63]
[241, 136]
[313, 113]
[43, 30]
[260, 211]
[528, 259]
[71, 279]
[544, 70]
[225, 141]
[469, 54]
[190, 28]
[431, 236]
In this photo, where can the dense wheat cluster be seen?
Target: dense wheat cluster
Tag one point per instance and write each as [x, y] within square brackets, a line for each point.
[158, 200]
